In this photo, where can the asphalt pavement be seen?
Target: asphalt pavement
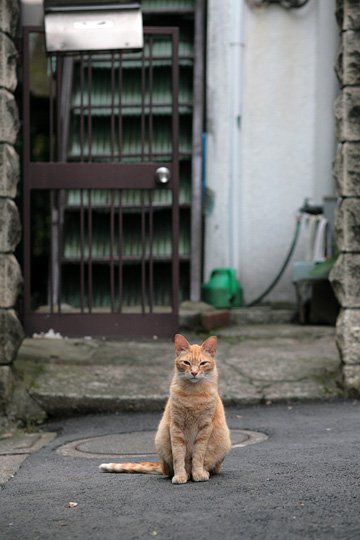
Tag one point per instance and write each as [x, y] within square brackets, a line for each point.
[300, 480]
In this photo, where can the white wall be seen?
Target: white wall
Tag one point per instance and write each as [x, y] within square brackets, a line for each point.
[274, 68]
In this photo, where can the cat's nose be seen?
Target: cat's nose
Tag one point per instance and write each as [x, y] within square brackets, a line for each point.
[194, 373]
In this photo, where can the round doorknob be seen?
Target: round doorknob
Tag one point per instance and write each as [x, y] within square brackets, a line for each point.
[162, 175]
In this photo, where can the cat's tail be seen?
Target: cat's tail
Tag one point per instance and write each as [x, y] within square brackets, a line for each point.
[146, 467]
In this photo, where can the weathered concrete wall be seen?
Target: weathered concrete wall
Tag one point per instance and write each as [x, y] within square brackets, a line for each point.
[11, 333]
[345, 276]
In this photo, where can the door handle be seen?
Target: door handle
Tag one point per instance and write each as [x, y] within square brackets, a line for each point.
[162, 175]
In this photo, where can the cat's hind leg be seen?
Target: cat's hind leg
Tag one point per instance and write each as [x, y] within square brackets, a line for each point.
[163, 446]
[217, 449]
[166, 468]
[213, 468]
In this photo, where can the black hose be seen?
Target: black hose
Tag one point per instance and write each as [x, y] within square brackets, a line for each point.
[283, 267]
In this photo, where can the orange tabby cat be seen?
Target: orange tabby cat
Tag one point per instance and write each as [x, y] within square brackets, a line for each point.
[193, 437]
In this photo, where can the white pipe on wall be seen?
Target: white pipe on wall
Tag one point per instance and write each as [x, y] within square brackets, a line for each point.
[236, 46]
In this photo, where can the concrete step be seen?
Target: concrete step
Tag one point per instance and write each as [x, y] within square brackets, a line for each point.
[192, 314]
[262, 315]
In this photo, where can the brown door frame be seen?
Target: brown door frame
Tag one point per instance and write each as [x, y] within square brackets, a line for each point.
[57, 175]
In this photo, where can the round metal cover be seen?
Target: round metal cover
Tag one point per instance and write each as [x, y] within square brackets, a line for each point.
[139, 444]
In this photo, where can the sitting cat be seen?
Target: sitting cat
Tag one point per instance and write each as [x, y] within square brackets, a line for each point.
[193, 438]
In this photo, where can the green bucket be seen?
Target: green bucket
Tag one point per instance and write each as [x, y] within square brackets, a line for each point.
[223, 289]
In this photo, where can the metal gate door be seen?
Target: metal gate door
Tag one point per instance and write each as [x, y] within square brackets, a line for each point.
[101, 221]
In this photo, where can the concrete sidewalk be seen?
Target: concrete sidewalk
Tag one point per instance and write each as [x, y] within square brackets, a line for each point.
[257, 364]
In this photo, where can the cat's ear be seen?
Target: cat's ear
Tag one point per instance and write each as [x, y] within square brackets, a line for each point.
[181, 344]
[209, 345]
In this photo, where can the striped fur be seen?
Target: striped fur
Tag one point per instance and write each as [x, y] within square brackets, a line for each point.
[142, 467]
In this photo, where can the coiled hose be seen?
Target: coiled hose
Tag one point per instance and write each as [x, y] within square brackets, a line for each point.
[283, 267]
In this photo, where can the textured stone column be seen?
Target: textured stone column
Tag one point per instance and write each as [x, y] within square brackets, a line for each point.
[345, 276]
[11, 332]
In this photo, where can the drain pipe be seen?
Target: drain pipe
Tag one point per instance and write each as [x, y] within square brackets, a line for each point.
[236, 47]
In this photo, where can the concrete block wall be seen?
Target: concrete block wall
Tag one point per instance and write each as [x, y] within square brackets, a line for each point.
[345, 276]
[11, 333]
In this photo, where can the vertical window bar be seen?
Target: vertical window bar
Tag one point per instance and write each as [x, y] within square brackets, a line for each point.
[59, 248]
[175, 175]
[27, 186]
[82, 269]
[151, 261]
[53, 258]
[90, 276]
[82, 90]
[151, 80]
[60, 194]
[61, 157]
[120, 142]
[120, 244]
[59, 78]
[90, 134]
[51, 108]
[112, 107]
[112, 243]
[51, 262]
[142, 104]
[143, 269]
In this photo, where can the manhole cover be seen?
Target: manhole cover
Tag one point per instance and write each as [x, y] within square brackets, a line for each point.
[139, 444]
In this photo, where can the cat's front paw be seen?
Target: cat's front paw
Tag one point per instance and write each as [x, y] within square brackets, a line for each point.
[181, 478]
[200, 476]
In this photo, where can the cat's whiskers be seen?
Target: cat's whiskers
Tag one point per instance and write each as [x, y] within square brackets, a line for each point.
[194, 379]
[206, 377]
[210, 376]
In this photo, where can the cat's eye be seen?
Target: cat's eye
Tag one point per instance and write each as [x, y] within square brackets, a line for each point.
[186, 362]
[203, 363]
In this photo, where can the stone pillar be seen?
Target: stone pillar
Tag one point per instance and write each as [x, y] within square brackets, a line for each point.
[11, 333]
[345, 276]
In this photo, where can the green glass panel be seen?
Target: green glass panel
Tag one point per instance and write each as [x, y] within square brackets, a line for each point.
[131, 287]
[132, 238]
[131, 136]
[154, 5]
[157, 96]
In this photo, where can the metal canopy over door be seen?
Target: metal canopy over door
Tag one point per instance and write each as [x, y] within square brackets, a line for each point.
[101, 208]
